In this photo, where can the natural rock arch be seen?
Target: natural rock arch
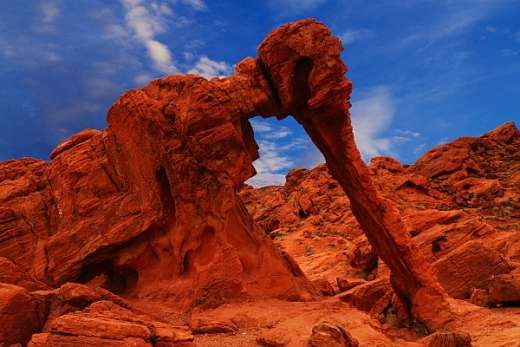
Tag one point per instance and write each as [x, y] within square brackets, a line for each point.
[302, 63]
[154, 195]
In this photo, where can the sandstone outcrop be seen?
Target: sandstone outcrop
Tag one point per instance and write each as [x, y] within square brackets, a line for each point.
[326, 334]
[107, 324]
[21, 315]
[474, 249]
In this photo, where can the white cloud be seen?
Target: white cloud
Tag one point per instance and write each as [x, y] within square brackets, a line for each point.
[272, 160]
[279, 133]
[160, 55]
[142, 79]
[420, 148]
[27, 53]
[208, 68]
[49, 13]
[270, 132]
[408, 133]
[459, 17]
[188, 56]
[267, 179]
[115, 31]
[198, 5]
[195, 44]
[371, 117]
[405, 136]
[261, 126]
[147, 20]
[351, 36]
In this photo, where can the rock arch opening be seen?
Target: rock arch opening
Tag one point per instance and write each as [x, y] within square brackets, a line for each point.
[119, 281]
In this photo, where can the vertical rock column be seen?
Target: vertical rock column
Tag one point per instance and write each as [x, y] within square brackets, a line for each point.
[302, 61]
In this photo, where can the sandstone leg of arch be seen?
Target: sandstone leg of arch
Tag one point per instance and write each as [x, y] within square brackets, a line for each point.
[303, 63]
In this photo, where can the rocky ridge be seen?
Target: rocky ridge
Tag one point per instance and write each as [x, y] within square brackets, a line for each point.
[460, 202]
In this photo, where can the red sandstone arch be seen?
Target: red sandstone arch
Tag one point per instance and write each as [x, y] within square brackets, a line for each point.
[302, 63]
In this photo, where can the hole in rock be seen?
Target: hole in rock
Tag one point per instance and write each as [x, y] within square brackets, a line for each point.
[202, 254]
[437, 244]
[168, 204]
[301, 90]
[117, 280]
[186, 262]
[508, 304]
[302, 213]
[283, 145]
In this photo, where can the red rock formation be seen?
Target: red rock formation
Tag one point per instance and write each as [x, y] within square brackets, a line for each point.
[149, 206]
[474, 251]
[309, 78]
[107, 324]
[149, 209]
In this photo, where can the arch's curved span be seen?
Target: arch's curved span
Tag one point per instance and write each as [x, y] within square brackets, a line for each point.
[149, 205]
[303, 63]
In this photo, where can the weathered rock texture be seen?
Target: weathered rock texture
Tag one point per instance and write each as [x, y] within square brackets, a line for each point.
[150, 204]
[465, 227]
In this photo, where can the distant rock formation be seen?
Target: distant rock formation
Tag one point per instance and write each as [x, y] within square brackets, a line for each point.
[460, 202]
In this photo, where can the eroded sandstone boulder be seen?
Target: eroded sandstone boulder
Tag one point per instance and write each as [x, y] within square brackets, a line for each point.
[21, 315]
[471, 266]
[326, 334]
[107, 324]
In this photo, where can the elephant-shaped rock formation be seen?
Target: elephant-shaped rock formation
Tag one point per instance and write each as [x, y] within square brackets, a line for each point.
[149, 207]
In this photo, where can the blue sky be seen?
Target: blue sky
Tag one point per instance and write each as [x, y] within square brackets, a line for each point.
[424, 71]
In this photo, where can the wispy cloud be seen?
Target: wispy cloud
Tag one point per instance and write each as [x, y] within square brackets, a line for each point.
[457, 17]
[351, 36]
[419, 149]
[491, 29]
[146, 21]
[208, 68]
[408, 133]
[508, 53]
[49, 13]
[294, 6]
[278, 146]
[270, 165]
[198, 5]
[270, 132]
[371, 117]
